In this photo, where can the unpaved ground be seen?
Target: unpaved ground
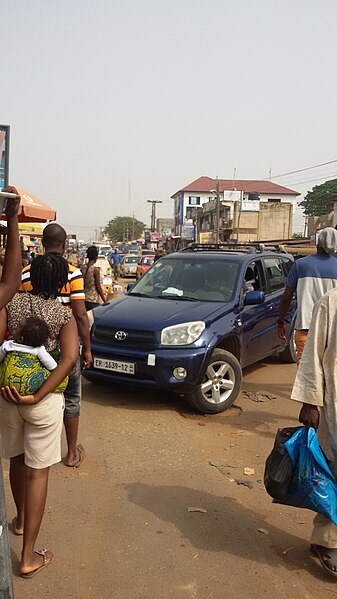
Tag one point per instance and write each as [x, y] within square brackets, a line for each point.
[120, 524]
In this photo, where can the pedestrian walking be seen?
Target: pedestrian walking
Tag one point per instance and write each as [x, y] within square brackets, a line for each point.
[31, 424]
[54, 241]
[316, 387]
[92, 280]
[115, 261]
[310, 277]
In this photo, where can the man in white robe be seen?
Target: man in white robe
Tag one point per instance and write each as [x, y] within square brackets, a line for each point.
[316, 387]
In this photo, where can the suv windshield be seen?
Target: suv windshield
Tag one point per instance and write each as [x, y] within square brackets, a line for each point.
[202, 279]
[131, 260]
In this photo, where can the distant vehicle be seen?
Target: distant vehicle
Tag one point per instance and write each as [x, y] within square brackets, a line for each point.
[104, 265]
[193, 321]
[103, 248]
[147, 253]
[131, 247]
[129, 265]
[144, 264]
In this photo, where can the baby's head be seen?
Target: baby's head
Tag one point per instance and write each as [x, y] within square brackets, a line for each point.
[32, 331]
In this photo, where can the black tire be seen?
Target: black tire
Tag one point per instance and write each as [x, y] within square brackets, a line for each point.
[197, 398]
[289, 354]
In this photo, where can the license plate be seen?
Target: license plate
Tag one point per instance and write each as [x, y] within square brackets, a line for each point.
[123, 367]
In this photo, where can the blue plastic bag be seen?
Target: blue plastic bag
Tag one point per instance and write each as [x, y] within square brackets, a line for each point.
[312, 484]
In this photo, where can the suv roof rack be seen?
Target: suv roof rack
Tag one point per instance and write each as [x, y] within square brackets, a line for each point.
[249, 248]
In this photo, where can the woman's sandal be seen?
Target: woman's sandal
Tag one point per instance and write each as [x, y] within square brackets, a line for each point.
[327, 557]
[47, 560]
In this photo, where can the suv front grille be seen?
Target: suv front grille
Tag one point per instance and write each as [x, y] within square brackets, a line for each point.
[134, 338]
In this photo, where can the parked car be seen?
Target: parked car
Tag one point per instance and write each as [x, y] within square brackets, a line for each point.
[192, 322]
[143, 265]
[129, 265]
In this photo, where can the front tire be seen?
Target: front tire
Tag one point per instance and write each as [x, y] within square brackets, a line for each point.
[220, 386]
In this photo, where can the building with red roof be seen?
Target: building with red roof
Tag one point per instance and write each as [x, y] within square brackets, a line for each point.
[236, 196]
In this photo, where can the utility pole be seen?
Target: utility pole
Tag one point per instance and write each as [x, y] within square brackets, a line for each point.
[217, 211]
[133, 227]
[153, 213]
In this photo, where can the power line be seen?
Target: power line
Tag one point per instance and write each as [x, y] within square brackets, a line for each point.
[301, 170]
[327, 178]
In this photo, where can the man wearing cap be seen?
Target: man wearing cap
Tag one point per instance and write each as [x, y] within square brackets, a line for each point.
[311, 278]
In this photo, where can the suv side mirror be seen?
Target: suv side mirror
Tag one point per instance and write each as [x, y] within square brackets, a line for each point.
[252, 298]
[129, 287]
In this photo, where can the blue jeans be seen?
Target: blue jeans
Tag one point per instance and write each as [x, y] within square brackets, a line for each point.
[72, 394]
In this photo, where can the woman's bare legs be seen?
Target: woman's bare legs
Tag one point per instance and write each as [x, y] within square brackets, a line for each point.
[35, 500]
[17, 477]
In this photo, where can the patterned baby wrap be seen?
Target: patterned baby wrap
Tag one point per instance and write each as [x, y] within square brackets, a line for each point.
[26, 373]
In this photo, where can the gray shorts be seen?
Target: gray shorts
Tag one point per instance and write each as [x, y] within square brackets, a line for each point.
[72, 394]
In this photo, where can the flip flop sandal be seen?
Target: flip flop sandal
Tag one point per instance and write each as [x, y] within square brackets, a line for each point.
[81, 455]
[326, 556]
[46, 562]
[16, 531]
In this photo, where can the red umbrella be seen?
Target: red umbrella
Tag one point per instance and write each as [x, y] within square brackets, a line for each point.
[32, 209]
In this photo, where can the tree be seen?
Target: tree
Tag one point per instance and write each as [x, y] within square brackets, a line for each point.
[321, 199]
[123, 228]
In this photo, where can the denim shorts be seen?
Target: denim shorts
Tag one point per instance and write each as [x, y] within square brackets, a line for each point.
[72, 394]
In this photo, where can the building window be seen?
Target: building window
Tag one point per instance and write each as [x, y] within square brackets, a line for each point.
[194, 200]
[274, 201]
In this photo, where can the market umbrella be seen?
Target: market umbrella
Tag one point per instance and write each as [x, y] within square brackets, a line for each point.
[32, 209]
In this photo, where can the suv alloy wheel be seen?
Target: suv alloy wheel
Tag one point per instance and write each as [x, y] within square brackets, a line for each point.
[221, 384]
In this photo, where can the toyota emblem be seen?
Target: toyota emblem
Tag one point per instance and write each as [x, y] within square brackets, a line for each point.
[120, 335]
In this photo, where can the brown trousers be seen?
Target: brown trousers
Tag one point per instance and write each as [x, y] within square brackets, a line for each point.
[300, 339]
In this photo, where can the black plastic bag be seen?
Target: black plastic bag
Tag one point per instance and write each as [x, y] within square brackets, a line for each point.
[279, 467]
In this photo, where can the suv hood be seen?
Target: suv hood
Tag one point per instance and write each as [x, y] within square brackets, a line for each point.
[153, 314]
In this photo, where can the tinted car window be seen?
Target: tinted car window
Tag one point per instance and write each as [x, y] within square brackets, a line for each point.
[287, 264]
[203, 279]
[274, 273]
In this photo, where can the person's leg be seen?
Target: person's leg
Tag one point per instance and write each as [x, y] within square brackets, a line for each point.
[300, 339]
[43, 427]
[324, 542]
[35, 500]
[72, 397]
[17, 477]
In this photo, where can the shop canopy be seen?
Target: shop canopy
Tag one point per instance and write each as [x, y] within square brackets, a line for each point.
[32, 209]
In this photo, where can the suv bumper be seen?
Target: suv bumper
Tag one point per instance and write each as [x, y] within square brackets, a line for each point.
[194, 360]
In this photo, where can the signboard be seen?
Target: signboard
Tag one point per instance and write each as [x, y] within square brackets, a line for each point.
[4, 155]
[206, 237]
[250, 205]
[154, 236]
[147, 235]
[187, 231]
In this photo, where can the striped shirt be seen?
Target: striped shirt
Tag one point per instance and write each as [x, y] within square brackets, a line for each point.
[73, 290]
[311, 277]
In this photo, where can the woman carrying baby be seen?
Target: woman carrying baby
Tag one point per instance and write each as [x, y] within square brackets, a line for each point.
[31, 415]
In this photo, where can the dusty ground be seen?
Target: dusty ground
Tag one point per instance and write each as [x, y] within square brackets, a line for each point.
[120, 524]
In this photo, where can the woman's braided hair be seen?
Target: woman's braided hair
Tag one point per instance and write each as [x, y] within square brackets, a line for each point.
[48, 275]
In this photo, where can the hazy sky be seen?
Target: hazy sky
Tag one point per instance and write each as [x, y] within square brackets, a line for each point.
[161, 92]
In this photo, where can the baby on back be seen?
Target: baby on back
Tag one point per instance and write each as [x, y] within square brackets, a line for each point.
[30, 338]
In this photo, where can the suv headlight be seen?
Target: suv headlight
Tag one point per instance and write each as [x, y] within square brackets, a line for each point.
[182, 334]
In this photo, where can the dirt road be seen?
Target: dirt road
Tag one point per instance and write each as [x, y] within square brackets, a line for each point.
[120, 524]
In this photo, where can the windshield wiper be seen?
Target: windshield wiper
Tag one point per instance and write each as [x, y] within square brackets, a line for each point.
[183, 298]
[137, 294]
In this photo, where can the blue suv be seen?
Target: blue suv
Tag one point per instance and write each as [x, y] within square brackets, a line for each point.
[193, 321]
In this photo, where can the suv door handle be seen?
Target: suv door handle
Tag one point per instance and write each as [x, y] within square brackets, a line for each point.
[269, 306]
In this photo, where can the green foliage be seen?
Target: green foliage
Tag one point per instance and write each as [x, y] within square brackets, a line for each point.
[124, 228]
[321, 199]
